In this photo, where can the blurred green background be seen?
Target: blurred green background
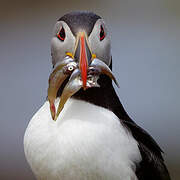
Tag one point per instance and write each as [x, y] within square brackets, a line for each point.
[145, 48]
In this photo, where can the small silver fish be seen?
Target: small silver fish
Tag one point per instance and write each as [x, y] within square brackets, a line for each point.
[61, 71]
[100, 66]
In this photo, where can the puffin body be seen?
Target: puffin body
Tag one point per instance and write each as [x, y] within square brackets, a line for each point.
[93, 138]
[79, 147]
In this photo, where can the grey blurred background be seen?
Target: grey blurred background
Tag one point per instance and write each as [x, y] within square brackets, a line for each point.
[146, 52]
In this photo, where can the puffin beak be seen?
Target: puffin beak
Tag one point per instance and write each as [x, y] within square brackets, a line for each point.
[83, 55]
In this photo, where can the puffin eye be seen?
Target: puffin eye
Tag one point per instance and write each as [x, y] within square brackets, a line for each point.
[61, 35]
[102, 34]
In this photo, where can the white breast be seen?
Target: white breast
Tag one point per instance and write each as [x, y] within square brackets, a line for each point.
[87, 142]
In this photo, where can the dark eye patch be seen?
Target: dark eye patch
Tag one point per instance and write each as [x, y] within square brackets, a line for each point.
[61, 35]
[102, 33]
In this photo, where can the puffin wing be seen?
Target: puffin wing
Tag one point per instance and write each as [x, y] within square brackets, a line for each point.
[152, 165]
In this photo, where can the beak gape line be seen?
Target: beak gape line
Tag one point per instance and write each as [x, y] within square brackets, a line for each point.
[79, 67]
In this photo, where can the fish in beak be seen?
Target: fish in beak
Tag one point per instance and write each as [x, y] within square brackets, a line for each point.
[61, 71]
[82, 67]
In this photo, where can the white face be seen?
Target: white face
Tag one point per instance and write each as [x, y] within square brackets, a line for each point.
[102, 48]
[98, 40]
[58, 47]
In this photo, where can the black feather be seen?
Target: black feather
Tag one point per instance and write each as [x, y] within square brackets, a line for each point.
[80, 20]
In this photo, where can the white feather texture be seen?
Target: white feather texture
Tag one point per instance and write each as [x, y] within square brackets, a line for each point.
[87, 142]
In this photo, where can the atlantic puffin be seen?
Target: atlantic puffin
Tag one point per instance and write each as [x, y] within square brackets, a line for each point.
[82, 131]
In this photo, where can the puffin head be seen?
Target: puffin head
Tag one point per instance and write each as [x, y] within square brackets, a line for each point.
[70, 32]
[81, 51]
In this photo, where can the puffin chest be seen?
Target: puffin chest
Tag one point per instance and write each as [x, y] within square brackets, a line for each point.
[86, 142]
